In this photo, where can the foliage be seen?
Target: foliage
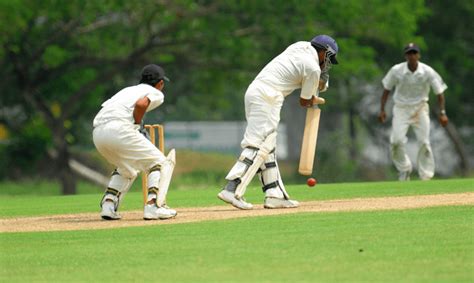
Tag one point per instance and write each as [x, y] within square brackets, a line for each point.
[60, 59]
[449, 50]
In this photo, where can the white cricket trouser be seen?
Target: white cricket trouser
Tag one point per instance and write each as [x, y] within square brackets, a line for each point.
[262, 111]
[124, 147]
[418, 117]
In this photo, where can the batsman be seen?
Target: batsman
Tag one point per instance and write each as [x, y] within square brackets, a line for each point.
[303, 65]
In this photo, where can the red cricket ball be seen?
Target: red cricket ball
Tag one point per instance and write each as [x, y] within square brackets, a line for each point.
[311, 182]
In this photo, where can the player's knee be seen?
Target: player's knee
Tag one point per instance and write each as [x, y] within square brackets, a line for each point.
[127, 173]
[396, 140]
[119, 182]
[424, 145]
[425, 148]
[395, 146]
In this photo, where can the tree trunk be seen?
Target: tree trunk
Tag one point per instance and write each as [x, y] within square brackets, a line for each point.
[61, 159]
[459, 146]
[353, 135]
[453, 134]
[68, 181]
[65, 174]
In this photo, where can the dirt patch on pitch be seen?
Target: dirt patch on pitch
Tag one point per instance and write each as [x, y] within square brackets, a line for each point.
[89, 221]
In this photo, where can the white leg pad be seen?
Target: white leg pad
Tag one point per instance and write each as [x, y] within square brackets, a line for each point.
[240, 166]
[153, 182]
[270, 175]
[117, 188]
[166, 172]
[120, 183]
[282, 187]
[265, 148]
[154, 179]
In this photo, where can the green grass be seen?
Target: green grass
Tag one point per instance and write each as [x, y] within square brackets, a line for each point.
[35, 205]
[419, 245]
[422, 245]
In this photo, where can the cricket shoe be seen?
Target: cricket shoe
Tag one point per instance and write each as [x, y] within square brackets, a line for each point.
[108, 211]
[271, 202]
[230, 198]
[153, 212]
[425, 178]
[404, 176]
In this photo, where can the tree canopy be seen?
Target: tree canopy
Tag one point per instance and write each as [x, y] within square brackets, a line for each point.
[60, 59]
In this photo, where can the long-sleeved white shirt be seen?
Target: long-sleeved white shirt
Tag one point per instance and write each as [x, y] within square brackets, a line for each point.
[120, 106]
[296, 67]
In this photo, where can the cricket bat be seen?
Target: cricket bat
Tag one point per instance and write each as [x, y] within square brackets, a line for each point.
[310, 138]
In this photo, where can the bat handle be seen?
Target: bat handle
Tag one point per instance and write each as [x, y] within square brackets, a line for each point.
[318, 100]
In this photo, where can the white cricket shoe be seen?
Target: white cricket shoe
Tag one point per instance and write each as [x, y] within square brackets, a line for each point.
[280, 203]
[229, 197]
[153, 212]
[404, 176]
[108, 211]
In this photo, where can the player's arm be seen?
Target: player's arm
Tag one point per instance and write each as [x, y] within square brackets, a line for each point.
[140, 108]
[443, 118]
[309, 87]
[383, 101]
[388, 82]
[438, 86]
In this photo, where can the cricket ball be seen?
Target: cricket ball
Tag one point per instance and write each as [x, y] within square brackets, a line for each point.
[311, 182]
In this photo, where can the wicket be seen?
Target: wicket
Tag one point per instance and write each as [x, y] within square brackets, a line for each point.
[152, 129]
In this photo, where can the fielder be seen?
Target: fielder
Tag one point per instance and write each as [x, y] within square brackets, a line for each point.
[412, 81]
[301, 65]
[117, 137]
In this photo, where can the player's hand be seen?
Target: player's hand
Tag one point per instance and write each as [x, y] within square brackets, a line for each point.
[382, 116]
[322, 86]
[144, 132]
[443, 120]
[306, 102]
[313, 101]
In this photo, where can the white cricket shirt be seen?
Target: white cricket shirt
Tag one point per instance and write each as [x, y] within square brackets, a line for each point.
[296, 67]
[120, 106]
[413, 87]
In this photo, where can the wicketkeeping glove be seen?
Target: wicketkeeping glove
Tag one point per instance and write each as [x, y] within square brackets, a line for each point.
[144, 132]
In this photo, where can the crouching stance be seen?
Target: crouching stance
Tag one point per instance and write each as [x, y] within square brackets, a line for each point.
[301, 65]
[117, 137]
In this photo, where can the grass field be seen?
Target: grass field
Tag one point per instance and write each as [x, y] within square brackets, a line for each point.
[418, 245]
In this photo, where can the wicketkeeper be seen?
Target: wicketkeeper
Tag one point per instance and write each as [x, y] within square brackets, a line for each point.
[301, 65]
[118, 138]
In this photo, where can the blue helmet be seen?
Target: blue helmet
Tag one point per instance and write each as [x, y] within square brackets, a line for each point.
[329, 44]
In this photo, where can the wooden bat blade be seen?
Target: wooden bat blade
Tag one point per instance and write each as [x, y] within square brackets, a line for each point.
[308, 145]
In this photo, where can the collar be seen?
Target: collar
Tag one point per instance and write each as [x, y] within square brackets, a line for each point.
[419, 69]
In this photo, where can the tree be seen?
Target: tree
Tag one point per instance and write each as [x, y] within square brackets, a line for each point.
[449, 50]
[60, 59]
